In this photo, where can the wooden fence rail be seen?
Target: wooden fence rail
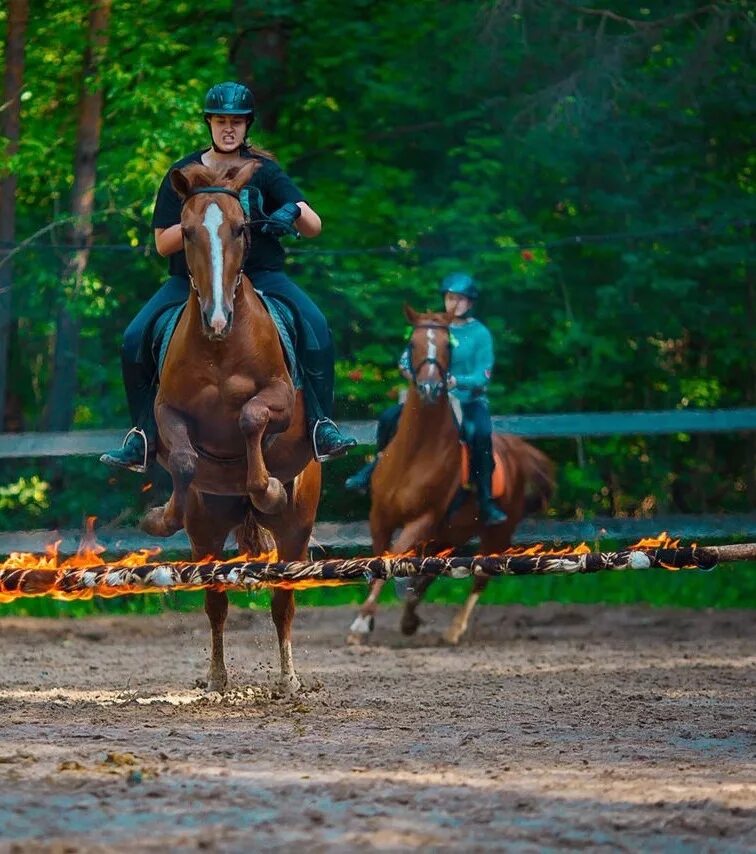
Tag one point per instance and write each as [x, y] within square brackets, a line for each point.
[87, 442]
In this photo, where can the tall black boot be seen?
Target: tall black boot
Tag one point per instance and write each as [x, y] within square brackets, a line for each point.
[360, 480]
[327, 440]
[138, 449]
[482, 470]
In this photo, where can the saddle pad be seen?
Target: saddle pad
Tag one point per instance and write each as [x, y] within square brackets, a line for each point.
[162, 332]
[283, 317]
[280, 313]
[498, 483]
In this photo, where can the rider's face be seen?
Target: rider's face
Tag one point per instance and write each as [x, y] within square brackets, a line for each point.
[457, 304]
[228, 131]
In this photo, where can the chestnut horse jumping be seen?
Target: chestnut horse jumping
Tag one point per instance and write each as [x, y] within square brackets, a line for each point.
[419, 475]
[232, 430]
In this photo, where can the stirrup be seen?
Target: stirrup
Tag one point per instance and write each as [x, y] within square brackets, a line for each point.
[320, 457]
[143, 436]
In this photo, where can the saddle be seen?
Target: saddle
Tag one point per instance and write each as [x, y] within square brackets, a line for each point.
[498, 483]
[281, 314]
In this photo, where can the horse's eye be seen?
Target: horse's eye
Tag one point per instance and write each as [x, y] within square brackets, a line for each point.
[237, 230]
[188, 232]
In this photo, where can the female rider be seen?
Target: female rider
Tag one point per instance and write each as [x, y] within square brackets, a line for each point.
[469, 375]
[229, 112]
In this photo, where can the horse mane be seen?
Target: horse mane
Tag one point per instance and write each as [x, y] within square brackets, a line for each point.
[440, 318]
[196, 175]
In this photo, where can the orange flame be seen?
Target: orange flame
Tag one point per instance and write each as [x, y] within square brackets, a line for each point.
[89, 555]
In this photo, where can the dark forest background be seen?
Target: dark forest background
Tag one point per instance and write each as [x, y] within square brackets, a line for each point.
[430, 136]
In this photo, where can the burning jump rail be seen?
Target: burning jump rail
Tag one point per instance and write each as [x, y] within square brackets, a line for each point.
[78, 579]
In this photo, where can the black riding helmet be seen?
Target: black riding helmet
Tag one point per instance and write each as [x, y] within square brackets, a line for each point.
[229, 99]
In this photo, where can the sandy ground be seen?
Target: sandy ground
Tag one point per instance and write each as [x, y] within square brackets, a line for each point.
[548, 728]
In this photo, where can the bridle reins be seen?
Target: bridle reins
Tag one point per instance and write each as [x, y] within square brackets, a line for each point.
[429, 360]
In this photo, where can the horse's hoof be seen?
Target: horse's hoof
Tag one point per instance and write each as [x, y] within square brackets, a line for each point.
[410, 623]
[153, 522]
[272, 501]
[452, 637]
[217, 681]
[288, 686]
[361, 627]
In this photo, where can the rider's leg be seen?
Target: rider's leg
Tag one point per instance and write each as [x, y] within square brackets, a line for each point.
[385, 432]
[477, 431]
[315, 349]
[139, 378]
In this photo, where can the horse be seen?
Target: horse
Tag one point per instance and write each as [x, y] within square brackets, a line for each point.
[232, 430]
[416, 485]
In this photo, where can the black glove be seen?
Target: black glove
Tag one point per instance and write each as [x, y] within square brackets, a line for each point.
[281, 222]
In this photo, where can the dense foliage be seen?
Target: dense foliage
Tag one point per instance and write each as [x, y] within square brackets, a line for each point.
[430, 136]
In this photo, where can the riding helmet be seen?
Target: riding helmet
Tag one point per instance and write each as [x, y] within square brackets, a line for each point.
[230, 99]
[460, 283]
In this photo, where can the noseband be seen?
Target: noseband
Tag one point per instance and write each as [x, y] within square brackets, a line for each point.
[227, 191]
[429, 360]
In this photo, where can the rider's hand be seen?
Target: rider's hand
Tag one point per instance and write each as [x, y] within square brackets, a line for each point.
[281, 222]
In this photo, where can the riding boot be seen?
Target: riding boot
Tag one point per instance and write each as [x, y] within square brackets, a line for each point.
[327, 440]
[482, 470]
[360, 480]
[138, 449]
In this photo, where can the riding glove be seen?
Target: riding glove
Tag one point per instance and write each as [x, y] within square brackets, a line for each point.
[281, 222]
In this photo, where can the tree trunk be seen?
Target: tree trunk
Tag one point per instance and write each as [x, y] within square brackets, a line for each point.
[61, 395]
[10, 127]
[259, 53]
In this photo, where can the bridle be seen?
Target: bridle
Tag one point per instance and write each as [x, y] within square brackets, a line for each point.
[428, 360]
[227, 191]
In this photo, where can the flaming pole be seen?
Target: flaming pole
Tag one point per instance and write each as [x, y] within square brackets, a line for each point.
[114, 579]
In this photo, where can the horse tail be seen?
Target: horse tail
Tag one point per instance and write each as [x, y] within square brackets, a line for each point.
[539, 478]
[253, 538]
[537, 471]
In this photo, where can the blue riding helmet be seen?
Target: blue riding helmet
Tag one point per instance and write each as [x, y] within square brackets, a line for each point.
[460, 283]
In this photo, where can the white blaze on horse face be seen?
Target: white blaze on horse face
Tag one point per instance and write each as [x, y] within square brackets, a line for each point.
[431, 336]
[212, 222]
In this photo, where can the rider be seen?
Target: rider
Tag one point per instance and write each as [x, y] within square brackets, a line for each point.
[469, 375]
[229, 112]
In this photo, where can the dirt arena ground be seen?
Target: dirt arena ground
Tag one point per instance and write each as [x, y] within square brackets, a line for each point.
[554, 727]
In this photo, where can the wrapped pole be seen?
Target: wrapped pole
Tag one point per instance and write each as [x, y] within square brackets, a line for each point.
[114, 579]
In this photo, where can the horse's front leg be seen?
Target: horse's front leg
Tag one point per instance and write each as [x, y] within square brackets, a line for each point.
[270, 409]
[364, 623]
[182, 463]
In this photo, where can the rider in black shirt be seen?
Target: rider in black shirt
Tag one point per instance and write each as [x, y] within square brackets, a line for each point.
[229, 112]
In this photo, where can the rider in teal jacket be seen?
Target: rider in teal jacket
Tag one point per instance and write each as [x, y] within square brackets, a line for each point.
[470, 373]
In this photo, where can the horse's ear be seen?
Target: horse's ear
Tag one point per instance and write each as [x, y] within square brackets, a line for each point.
[180, 183]
[239, 176]
[410, 313]
[193, 175]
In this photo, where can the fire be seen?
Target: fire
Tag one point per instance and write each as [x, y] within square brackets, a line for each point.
[660, 541]
[77, 577]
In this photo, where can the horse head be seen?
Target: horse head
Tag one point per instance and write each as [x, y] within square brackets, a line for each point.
[430, 352]
[215, 238]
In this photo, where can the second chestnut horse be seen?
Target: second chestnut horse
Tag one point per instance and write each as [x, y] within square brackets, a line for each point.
[418, 478]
